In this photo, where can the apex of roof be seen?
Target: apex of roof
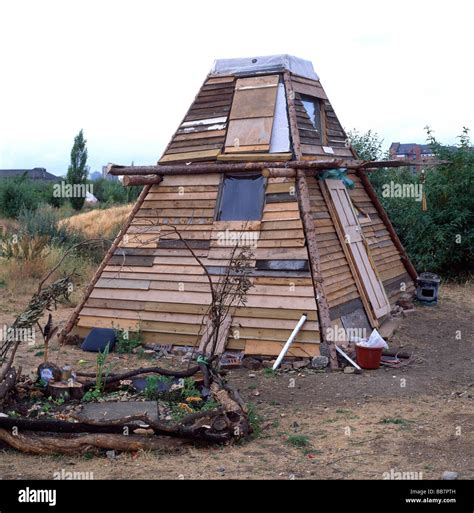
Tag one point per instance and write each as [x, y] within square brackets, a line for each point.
[37, 173]
[268, 63]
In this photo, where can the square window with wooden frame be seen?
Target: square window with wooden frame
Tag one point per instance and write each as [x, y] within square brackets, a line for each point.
[241, 198]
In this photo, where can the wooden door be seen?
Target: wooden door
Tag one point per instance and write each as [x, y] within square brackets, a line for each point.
[355, 240]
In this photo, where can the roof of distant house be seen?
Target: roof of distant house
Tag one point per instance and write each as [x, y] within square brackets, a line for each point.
[37, 173]
[407, 148]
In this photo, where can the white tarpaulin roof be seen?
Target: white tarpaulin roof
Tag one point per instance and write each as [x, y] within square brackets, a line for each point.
[270, 63]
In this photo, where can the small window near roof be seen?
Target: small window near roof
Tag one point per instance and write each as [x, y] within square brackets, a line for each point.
[311, 106]
[241, 198]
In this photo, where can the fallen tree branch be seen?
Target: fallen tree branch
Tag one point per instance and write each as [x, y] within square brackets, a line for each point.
[34, 443]
[144, 370]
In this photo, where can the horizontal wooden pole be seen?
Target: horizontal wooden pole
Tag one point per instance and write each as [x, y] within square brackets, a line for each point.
[218, 167]
[129, 180]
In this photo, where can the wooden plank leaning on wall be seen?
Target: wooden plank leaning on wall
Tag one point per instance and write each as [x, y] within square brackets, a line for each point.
[310, 232]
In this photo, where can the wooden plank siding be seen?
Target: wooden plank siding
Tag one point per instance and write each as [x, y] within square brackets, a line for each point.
[201, 135]
[153, 282]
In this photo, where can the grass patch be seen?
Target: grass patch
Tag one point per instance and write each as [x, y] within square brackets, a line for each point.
[269, 372]
[98, 223]
[127, 340]
[404, 423]
[255, 420]
[299, 441]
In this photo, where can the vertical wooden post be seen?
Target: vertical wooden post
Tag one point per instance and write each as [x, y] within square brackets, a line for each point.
[310, 231]
[75, 314]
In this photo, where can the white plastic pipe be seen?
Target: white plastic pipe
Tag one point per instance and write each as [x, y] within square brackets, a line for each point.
[289, 341]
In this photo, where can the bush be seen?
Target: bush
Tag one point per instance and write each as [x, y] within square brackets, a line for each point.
[44, 222]
[17, 194]
[439, 239]
[127, 341]
[110, 192]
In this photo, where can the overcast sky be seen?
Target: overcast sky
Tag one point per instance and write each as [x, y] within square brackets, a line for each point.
[126, 72]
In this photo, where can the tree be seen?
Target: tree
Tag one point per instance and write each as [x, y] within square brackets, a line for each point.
[441, 238]
[368, 146]
[77, 171]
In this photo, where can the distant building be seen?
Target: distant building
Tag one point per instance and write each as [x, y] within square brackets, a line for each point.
[95, 176]
[106, 175]
[37, 173]
[411, 151]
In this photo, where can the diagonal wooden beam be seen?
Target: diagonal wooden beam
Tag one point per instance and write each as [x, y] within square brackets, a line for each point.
[75, 314]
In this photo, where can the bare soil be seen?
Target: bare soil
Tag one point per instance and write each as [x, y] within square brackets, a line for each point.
[315, 425]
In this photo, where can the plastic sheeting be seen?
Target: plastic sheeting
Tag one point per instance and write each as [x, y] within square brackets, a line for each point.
[280, 141]
[269, 63]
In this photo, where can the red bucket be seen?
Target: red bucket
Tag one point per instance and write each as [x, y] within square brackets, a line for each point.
[368, 357]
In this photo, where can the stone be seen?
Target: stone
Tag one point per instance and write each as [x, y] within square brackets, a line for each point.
[110, 455]
[256, 393]
[251, 363]
[324, 350]
[388, 328]
[320, 362]
[116, 410]
[251, 375]
[449, 476]
[143, 431]
[349, 370]
[268, 364]
[300, 364]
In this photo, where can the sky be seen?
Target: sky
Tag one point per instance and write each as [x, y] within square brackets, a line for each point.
[127, 71]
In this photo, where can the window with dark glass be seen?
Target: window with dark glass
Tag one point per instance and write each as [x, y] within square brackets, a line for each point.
[241, 198]
[311, 106]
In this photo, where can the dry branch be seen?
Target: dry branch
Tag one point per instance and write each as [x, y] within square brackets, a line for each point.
[34, 443]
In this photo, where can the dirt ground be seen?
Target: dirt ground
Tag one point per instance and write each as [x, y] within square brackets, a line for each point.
[316, 425]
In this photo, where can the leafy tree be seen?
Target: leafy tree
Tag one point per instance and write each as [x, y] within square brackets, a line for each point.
[441, 238]
[368, 145]
[16, 194]
[77, 171]
[110, 192]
